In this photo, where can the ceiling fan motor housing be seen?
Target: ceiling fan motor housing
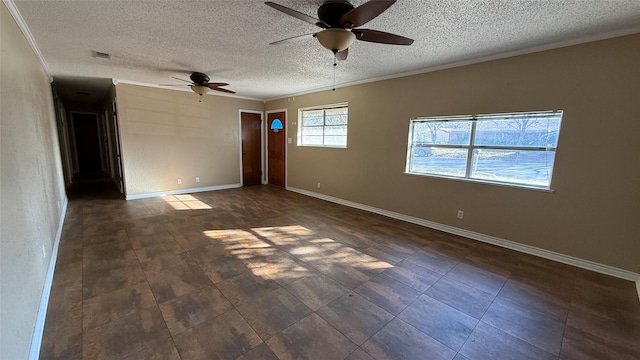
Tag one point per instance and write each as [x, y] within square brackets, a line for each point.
[331, 11]
[199, 78]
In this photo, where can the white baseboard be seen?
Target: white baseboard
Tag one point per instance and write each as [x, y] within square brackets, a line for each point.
[551, 255]
[182, 191]
[36, 341]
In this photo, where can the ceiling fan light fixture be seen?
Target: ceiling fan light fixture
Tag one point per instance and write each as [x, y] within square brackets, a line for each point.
[336, 40]
[199, 89]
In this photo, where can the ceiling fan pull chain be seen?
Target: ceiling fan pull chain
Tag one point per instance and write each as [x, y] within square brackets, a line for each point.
[335, 63]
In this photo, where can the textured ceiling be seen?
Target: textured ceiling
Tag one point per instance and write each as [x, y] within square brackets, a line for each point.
[151, 41]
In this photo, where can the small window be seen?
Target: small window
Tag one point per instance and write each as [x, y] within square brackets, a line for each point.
[276, 125]
[516, 148]
[324, 126]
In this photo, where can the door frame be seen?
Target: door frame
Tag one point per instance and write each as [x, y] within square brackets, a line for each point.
[110, 169]
[121, 182]
[286, 144]
[65, 147]
[262, 142]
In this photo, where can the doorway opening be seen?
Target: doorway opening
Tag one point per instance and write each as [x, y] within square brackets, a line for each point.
[86, 144]
[86, 120]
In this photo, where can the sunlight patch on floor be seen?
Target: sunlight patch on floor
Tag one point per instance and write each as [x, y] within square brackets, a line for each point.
[237, 239]
[290, 252]
[185, 202]
[283, 235]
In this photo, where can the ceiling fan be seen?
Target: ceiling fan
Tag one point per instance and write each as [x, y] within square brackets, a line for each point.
[340, 20]
[200, 84]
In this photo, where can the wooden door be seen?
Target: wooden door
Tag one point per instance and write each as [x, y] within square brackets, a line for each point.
[277, 143]
[251, 144]
[85, 128]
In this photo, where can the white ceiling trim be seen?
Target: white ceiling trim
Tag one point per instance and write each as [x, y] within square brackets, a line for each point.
[535, 49]
[13, 10]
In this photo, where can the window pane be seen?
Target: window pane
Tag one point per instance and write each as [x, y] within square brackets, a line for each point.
[439, 161]
[442, 132]
[335, 130]
[421, 151]
[316, 130]
[335, 140]
[312, 140]
[516, 148]
[312, 118]
[525, 167]
[336, 116]
[324, 126]
[525, 132]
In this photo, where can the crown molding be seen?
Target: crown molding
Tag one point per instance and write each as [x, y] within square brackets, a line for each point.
[13, 10]
[530, 50]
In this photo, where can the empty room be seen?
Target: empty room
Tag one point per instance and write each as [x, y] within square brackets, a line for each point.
[318, 179]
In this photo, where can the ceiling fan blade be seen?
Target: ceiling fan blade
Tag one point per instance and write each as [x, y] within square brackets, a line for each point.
[173, 85]
[297, 37]
[297, 14]
[381, 37]
[342, 55]
[223, 90]
[364, 13]
[174, 70]
[212, 85]
[173, 77]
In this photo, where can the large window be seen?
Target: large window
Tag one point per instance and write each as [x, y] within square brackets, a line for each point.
[515, 148]
[323, 126]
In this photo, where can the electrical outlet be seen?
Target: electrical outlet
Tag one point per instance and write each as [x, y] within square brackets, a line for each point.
[179, 181]
[197, 179]
[460, 214]
[318, 185]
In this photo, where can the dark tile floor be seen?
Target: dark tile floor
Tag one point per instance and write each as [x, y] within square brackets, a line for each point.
[263, 273]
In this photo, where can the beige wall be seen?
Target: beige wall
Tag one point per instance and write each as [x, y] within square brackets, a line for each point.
[168, 135]
[593, 213]
[32, 188]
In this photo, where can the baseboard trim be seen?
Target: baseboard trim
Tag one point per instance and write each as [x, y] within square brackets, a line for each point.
[182, 191]
[36, 341]
[551, 255]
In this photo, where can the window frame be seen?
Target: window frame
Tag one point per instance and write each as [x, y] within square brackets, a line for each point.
[471, 147]
[324, 109]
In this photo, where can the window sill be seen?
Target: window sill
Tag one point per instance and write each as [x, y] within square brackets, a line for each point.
[323, 146]
[501, 184]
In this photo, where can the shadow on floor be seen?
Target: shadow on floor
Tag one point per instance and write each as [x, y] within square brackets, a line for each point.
[94, 191]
